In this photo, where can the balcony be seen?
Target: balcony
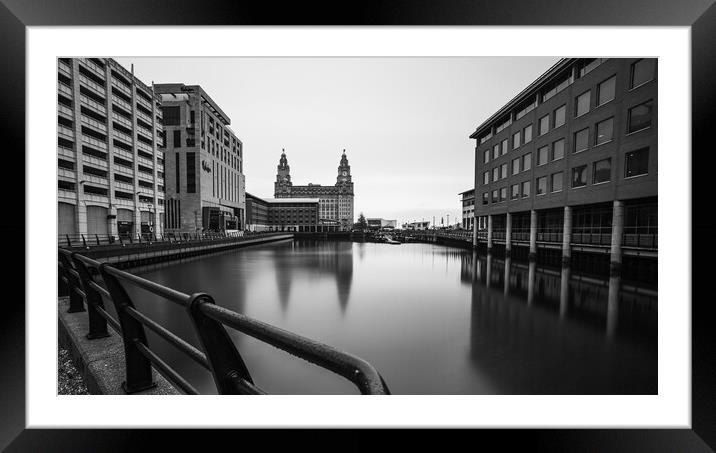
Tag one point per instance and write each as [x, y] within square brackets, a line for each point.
[64, 89]
[123, 186]
[122, 103]
[122, 136]
[94, 124]
[64, 68]
[146, 191]
[124, 170]
[145, 162]
[121, 119]
[124, 201]
[66, 152]
[145, 132]
[144, 116]
[121, 87]
[97, 88]
[66, 111]
[144, 147]
[119, 152]
[145, 176]
[96, 106]
[94, 161]
[94, 142]
[62, 193]
[65, 132]
[69, 174]
[144, 103]
[95, 197]
[94, 179]
[92, 66]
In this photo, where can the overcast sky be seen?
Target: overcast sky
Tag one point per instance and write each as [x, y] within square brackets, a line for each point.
[404, 122]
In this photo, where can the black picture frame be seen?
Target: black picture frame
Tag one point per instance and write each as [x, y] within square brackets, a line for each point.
[16, 15]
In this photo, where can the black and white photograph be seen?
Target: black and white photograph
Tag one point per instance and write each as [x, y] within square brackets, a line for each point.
[358, 225]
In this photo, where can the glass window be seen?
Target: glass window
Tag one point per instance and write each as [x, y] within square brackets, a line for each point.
[525, 189]
[503, 194]
[579, 176]
[516, 140]
[496, 151]
[604, 131]
[544, 125]
[515, 191]
[170, 115]
[542, 155]
[495, 196]
[558, 149]
[602, 171]
[557, 182]
[487, 156]
[485, 196]
[542, 185]
[191, 172]
[637, 162]
[640, 117]
[642, 71]
[486, 178]
[526, 162]
[559, 116]
[503, 171]
[177, 139]
[515, 166]
[504, 146]
[581, 104]
[606, 90]
[495, 174]
[527, 134]
[581, 140]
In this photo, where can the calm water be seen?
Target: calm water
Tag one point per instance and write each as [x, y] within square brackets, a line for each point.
[425, 315]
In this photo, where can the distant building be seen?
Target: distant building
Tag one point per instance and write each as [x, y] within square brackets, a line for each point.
[416, 225]
[283, 214]
[468, 209]
[110, 173]
[335, 202]
[204, 163]
[377, 223]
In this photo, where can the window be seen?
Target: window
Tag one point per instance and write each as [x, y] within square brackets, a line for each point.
[192, 115]
[503, 194]
[581, 140]
[640, 117]
[504, 146]
[503, 171]
[527, 162]
[542, 185]
[604, 131]
[557, 182]
[527, 134]
[515, 191]
[178, 172]
[525, 109]
[495, 174]
[495, 196]
[496, 151]
[558, 85]
[581, 103]
[191, 172]
[602, 171]
[170, 116]
[558, 149]
[605, 90]
[579, 176]
[177, 139]
[486, 178]
[588, 65]
[525, 189]
[516, 140]
[542, 155]
[559, 116]
[637, 163]
[544, 125]
[515, 166]
[642, 71]
[487, 156]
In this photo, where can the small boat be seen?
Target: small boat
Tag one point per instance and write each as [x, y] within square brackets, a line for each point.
[390, 240]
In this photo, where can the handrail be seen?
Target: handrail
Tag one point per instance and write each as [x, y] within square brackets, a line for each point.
[83, 278]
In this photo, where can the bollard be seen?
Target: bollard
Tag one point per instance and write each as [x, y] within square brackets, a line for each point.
[97, 323]
[224, 359]
[138, 368]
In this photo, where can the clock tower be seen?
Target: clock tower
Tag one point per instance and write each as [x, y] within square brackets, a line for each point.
[344, 174]
[282, 186]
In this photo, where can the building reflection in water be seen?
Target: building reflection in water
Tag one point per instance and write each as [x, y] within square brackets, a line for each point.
[559, 321]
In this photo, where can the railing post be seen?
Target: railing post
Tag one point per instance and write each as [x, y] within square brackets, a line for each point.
[96, 237]
[97, 323]
[69, 243]
[138, 368]
[224, 359]
[84, 242]
[73, 284]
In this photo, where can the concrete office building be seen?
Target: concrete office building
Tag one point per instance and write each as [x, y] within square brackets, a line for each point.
[110, 171]
[570, 165]
[468, 208]
[205, 184]
[336, 202]
[282, 214]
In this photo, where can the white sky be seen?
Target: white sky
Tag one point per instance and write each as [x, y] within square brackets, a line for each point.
[404, 122]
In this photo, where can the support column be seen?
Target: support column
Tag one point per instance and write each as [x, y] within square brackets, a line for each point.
[508, 235]
[533, 236]
[488, 277]
[508, 263]
[531, 282]
[615, 266]
[489, 234]
[566, 257]
[474, 232]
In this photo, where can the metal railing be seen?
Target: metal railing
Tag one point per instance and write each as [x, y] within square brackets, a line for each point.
[91, 284]
[88, 241]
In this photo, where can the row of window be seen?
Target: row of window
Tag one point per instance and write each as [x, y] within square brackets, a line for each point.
[636, 163]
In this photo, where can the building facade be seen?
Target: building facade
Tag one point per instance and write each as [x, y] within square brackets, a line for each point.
[468, 208]
[423, 225]
[571, 162]
[110, 170]
[378, 223]
[282, 214]
[335, 202]
[205, 184]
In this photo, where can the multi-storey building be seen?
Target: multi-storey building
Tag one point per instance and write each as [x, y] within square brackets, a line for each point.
[282, 214]
[110, 172]
[468, 208]
[375, 223]
[205, 184]
[570, 163]
[336, 202]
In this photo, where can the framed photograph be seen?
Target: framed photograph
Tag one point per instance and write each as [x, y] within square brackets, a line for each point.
[453, 213]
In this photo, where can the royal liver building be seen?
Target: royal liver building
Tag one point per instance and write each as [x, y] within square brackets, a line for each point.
[335, 202]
